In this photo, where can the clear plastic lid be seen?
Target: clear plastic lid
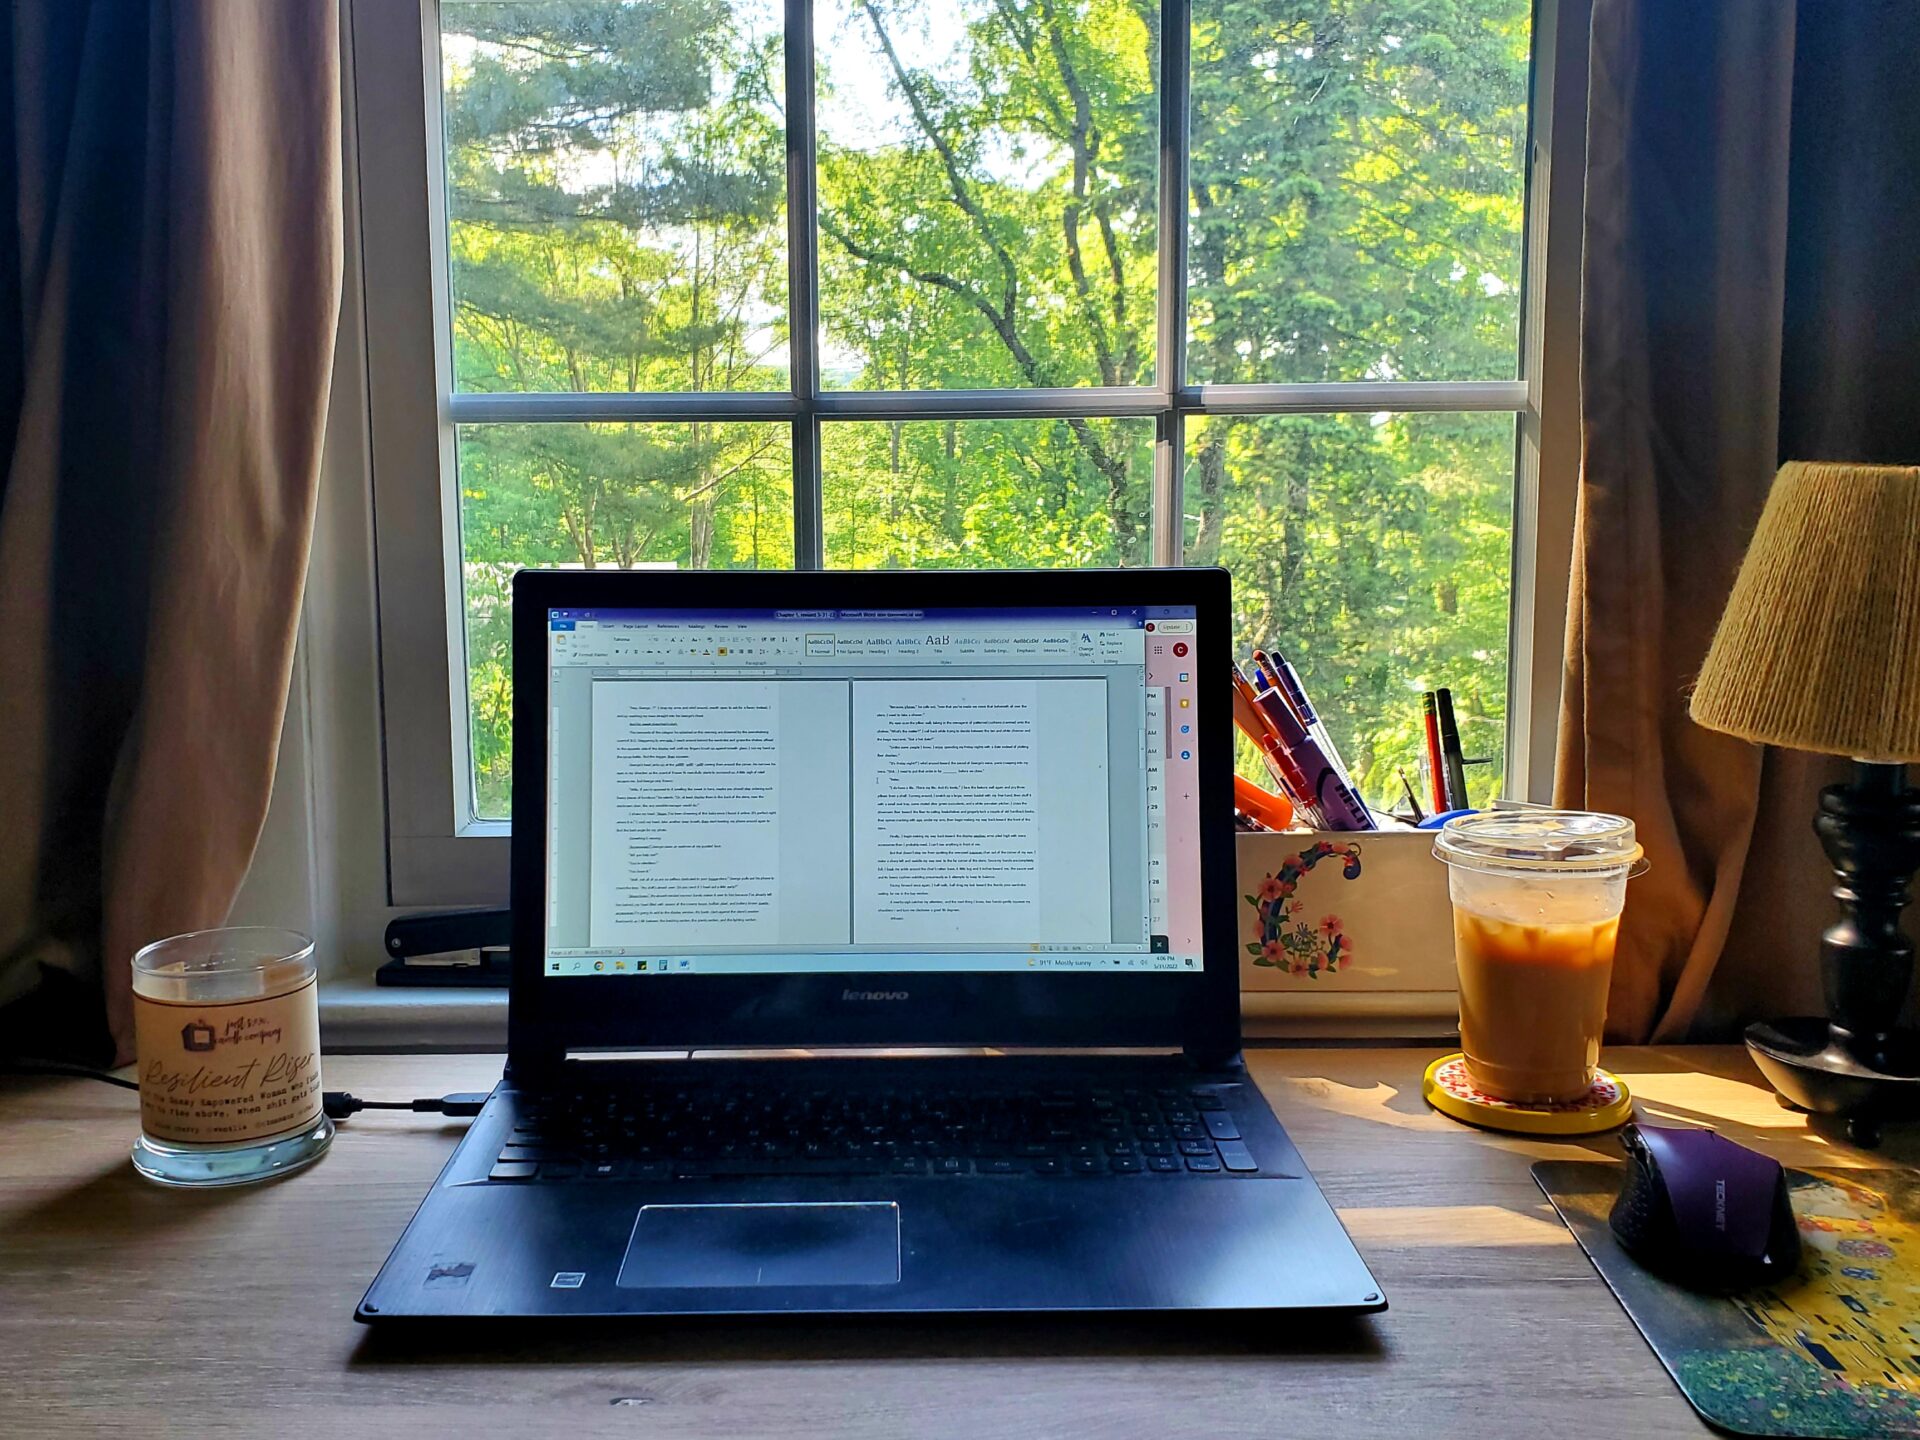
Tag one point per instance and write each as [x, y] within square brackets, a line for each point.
[1563, 842]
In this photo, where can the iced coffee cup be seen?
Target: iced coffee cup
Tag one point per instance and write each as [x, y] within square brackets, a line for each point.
[1537, 896]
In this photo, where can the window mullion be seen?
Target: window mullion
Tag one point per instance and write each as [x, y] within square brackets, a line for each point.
[1170, 328]
[1169, 471]
[1546, 479]
[803, 288]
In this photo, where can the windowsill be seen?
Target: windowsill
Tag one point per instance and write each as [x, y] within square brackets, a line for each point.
[357, 1016]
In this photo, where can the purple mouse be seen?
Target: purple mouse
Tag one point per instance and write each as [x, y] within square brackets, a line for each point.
[1703, 1212]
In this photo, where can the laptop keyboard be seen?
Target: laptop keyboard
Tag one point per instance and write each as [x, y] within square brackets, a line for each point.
[720, 1131]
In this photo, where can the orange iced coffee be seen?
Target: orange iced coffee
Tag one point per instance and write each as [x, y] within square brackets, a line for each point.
[1533, 1004]
[1537, 896]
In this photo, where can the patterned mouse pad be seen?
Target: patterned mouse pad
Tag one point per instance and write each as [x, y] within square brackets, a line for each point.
[1835, 1351]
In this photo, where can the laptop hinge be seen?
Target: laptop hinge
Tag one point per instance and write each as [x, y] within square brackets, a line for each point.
[550, 1065]
[1211, 1059]
[532, 1069]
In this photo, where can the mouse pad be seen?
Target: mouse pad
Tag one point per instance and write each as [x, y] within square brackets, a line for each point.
[1835, 1351]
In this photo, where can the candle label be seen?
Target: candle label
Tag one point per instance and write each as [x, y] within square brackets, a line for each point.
[229, 1072]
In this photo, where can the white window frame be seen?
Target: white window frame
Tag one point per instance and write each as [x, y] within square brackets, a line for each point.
[438, 852]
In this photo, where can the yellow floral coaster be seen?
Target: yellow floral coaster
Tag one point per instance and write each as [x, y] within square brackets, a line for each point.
[1450, 1090]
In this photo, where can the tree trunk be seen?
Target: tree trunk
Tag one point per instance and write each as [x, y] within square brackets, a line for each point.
[700, 505]
[949, 492]
[1212, 471]
[700, 533]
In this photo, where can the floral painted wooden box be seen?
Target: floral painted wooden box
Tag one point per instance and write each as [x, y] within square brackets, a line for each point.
[1346, 926]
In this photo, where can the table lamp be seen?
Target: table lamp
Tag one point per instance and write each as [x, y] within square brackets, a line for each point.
[1819, 649]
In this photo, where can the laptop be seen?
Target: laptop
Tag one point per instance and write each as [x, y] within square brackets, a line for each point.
[874, 950]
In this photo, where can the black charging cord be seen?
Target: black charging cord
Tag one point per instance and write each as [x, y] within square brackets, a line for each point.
[338, 1104]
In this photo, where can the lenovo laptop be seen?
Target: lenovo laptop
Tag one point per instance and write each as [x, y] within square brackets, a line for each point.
[874, 949]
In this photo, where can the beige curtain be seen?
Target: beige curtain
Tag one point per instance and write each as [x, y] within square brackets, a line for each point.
[1752, 294]
[169, 287]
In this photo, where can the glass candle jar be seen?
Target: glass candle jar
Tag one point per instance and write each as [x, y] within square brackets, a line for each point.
[227, 1035]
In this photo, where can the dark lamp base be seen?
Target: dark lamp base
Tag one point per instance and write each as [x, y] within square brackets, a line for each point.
[1817, 1071]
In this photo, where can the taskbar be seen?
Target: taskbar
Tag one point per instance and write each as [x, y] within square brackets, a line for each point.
[863, 964]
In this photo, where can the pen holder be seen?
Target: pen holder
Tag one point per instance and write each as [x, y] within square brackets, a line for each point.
[1339, 927]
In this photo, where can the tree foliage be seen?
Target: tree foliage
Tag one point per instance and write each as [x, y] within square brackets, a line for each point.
[988, 176]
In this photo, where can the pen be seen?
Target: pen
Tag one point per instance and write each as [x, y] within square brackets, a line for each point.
[1292, 687]
[1407, 785]
[1436, 771]
[1450, 756]
[1286, 771]
[1331, 795]
[1271, 810]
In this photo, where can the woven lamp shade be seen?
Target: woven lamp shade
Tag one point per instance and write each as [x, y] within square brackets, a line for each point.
[1819, 648]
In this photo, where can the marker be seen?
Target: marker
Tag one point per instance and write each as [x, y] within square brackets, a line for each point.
[1295, 690]
[1286, 771]
[1450, 756]
[1334, 797]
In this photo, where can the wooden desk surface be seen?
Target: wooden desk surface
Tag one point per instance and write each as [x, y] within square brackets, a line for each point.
[125, 1308]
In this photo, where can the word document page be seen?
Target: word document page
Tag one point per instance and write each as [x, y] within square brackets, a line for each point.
[745, 813]
[980, 812]
[708, 814]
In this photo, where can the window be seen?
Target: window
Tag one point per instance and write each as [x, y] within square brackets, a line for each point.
[932, 283]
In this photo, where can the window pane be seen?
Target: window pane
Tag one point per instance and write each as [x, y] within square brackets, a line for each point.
[1356, 189]
[616, 194]
[987, 201]
[1376, 552]
[575, 496]
[958, 493]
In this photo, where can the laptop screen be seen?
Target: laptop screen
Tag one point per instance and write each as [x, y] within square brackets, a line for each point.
[872, 791]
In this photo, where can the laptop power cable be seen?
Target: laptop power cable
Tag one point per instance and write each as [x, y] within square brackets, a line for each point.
[339, 1104]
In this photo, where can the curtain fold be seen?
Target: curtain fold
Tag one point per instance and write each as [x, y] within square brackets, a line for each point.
[1752, 186]
[169, 290]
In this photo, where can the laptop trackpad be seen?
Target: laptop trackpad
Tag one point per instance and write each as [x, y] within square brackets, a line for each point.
[684, 1246]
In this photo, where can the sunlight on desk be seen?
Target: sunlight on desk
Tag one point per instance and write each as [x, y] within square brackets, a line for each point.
[1375, 1102]
[1450, 1226]
[1696, 1098]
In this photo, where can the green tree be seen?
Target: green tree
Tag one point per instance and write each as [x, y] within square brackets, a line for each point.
[1356, 213]
[616, 187]
[616, 193]
[988, 219]
[1012, 274]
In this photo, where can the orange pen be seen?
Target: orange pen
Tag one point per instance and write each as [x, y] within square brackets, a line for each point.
[1271, 810]
[1253, 725]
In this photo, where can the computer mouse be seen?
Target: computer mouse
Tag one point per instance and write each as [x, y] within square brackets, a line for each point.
[1703, 1212]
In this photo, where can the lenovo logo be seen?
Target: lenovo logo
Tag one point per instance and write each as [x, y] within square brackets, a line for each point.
[873, 994]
